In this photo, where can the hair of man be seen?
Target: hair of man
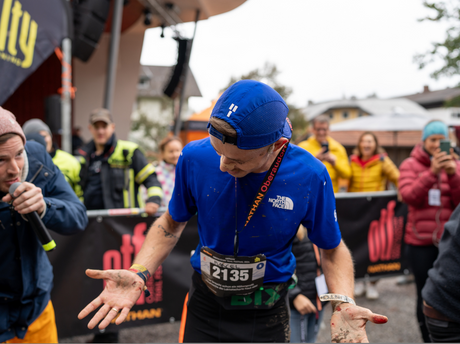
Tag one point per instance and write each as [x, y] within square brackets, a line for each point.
[223, 127]
[320, 119]
[6, 137]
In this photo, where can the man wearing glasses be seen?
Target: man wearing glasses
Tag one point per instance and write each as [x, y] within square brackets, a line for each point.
[256, 192]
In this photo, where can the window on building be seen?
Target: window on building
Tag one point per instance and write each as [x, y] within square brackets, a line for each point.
[360, 114]
[331, 115]
[345, 114]
[144, 82]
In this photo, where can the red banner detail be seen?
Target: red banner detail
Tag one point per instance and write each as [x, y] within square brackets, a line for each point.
[383, 240]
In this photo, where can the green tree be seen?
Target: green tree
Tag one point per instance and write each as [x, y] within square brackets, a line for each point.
[448, 50]
[268, 74]
[150, 132]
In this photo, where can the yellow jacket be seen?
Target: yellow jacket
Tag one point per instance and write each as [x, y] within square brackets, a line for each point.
[70, 168]
[372, 175]
[342, 167]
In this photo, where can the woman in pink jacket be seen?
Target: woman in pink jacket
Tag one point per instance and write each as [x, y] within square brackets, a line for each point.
[430, 184]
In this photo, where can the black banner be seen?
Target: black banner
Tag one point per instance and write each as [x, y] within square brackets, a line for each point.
[112, 243]
[373, 229]
[29, 32]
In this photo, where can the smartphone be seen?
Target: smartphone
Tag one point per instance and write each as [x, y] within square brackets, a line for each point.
[445, 146]
[325, 144]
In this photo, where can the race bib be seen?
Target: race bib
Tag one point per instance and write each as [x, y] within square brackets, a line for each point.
[434, 197]
[229, 275]
[321, 286]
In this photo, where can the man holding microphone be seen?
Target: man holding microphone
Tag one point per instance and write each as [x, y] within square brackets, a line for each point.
[26, 312]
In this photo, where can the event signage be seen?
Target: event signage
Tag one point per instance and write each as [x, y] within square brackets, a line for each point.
[29, 32]
[372, 227]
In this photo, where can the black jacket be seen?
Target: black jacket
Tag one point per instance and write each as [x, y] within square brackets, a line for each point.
[306, 270]
[123, 169]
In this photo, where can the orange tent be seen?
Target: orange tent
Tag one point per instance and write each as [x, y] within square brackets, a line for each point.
[195, 126]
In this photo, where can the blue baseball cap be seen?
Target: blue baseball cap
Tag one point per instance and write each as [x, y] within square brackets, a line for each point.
[256, 111]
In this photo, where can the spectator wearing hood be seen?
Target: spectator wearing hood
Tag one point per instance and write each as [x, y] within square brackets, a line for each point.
[26, 311]
[67, 163]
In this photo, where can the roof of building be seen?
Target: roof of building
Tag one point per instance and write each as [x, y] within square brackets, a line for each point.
[372, 106]
[385, 138]
[391, 122]
[158, 78]
[428, 97]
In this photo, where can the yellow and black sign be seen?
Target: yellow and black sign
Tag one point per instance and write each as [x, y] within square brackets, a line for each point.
[29, 32]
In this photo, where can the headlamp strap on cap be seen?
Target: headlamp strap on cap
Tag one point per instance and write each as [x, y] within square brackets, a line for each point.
[228, 139]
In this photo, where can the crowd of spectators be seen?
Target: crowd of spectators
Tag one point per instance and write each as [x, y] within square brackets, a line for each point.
[108, 173]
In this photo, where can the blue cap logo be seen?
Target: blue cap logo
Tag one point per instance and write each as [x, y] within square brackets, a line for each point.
[233, 108]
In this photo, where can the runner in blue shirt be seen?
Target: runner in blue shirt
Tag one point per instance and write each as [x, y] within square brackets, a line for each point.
[251, 190]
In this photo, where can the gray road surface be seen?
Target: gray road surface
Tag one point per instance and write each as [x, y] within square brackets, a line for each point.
[396, 302]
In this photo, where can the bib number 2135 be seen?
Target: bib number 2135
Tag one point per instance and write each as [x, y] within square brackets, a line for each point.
[229, 275]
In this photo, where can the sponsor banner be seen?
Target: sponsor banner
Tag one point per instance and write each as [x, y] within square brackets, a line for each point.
[112, 243]
[373, 226]
[29, 32]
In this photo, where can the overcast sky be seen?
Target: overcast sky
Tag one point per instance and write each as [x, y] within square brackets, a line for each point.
[324, 49]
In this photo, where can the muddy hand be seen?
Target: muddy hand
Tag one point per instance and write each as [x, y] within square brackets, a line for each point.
[121, 292]
[348, 323]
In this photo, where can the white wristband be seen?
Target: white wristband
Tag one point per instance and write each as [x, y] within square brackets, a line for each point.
[337, 297]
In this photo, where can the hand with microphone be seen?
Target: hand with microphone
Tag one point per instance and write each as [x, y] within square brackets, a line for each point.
[28, 201]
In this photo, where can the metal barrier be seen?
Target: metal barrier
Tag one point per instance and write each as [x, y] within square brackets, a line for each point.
[387, 193]
[121, 212]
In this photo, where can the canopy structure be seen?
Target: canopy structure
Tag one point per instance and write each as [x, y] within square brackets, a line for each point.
[392, 122]
[195, 128]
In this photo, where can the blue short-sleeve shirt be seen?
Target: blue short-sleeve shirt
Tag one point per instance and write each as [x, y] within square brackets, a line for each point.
[300, 194]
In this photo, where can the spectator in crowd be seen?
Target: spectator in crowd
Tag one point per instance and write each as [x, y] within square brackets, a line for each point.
[430, 184]
[371, 168]
[67, 163]
[441, 294]
[170, 149]
[331, 153]
[112, 171]
[306, 308]
[26, 279]
[77, 141]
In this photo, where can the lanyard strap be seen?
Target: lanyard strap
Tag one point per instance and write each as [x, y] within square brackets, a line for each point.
[263, 189]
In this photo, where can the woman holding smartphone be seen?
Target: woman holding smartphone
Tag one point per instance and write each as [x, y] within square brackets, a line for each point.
[430, 184]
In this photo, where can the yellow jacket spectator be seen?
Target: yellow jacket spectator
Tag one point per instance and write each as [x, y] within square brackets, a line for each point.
[371, 167]
[36, 130]
[331, 153]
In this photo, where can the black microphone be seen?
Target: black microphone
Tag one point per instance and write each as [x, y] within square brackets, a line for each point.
[37, 224]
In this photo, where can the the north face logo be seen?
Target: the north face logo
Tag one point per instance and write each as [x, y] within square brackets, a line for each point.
[282, 202]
